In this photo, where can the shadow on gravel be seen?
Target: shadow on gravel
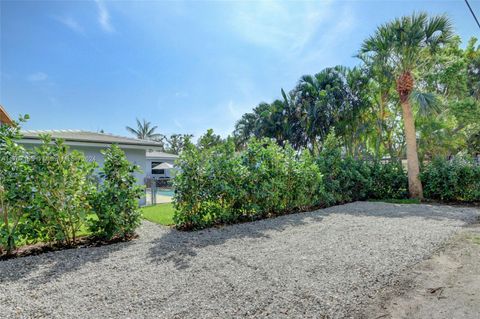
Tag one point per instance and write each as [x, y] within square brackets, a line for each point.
[426, 211]
[55, 264]
[180, 247]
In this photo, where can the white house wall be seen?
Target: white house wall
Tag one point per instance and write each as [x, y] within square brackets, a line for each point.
[93, 153]
[134, 156]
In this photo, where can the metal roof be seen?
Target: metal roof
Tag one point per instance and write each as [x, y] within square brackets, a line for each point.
[156, 154]
[88, 137]
[4, 117]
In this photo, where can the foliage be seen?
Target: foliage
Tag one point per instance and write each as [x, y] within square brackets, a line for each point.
[48, 193]
[361, 104]
[209, 140]
[116, 202]
[452, 180]
[344, 178]
[389, 181]
[219, 185]
[347, 179]
[176, 143]
[62, 184]
[145, 131]
[15, 187]
[330, 99]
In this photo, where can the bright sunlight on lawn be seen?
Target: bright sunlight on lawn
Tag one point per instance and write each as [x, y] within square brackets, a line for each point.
[161, 214]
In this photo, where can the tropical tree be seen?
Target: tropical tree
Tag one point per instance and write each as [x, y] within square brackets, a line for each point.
[329, 99]
[410, 41]
[177, 142]
[244, 129]
[209, 140]
[145, 131]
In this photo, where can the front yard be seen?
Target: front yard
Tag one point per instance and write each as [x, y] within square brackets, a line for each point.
[161, 214]
[326, 263]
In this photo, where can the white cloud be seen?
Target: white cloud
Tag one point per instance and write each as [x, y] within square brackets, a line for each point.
[237, 110]
[72, 24]
[37, 77]
[280, 25]
[334, 35]
[308, 33]
[104, 17]
[178, 124]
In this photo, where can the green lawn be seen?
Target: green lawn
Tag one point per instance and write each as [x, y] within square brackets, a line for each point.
[161, 214]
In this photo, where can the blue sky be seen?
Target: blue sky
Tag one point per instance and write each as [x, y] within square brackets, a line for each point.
[184, 66]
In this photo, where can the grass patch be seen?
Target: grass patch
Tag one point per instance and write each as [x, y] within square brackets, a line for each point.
[398, 201]
[161, 214]
[475, 239]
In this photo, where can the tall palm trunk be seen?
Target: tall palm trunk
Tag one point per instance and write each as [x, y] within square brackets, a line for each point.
[404, 88]
[414, 183]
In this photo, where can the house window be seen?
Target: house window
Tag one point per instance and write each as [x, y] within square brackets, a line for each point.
[157, 171]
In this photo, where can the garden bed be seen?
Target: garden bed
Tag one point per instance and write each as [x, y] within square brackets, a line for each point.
[82, 242]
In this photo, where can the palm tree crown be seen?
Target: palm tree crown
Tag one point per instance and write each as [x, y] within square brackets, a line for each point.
[144, 131]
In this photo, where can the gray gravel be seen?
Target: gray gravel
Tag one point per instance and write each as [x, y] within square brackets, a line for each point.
[311, 265]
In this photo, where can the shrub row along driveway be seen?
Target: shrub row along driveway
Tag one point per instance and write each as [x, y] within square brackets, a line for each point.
[324, 263]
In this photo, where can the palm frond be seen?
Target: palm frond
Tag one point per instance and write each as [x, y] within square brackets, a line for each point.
[428, 103]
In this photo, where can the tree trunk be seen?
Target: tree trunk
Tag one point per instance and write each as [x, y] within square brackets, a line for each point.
[414, 183]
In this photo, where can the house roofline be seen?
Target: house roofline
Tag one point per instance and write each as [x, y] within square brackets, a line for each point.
[82, 141]
[4, 116]
[71, 142]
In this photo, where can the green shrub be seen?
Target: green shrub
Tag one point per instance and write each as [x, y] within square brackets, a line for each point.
[345, 179]
[389, 181]
[15, 188]
[455, 180]
[49, 193]
[219, 185]
[116, 202]
[61, 189]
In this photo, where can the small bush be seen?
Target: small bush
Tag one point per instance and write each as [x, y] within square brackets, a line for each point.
[15, 188]
[61, 189]
[116, 202]
[454, 180]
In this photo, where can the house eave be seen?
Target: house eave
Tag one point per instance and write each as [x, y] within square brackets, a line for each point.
[72, 142]
[4, 117]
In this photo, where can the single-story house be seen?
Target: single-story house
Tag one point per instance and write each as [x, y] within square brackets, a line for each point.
[4, 117]
[91, 144]
[159, 164]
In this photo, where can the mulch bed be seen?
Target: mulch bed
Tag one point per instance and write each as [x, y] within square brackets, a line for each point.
[82, 242]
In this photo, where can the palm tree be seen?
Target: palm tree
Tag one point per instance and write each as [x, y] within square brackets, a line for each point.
[410, 40]
[145, 131]
[244, 129]
[381, 73]
[329, 101]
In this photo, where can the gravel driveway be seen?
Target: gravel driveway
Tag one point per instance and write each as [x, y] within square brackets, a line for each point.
[327, 263]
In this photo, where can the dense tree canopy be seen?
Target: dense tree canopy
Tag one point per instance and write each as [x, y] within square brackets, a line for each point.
[361, 105]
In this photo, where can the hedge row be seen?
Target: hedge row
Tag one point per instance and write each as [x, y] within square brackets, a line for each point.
[456, 180]
[51, 194]
[218, 185]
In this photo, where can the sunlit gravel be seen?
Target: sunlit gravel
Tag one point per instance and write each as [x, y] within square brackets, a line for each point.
[326, 263]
